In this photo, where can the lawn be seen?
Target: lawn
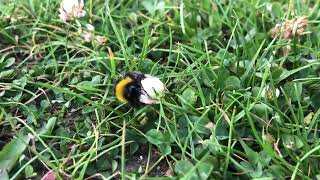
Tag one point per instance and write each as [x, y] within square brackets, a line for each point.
[242, 91]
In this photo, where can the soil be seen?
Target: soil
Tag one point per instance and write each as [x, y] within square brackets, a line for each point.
[139, 161]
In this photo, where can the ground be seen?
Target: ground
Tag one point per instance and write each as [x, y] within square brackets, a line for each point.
[241, 101]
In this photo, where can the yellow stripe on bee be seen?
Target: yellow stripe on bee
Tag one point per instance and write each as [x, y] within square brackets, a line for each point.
[120, 88]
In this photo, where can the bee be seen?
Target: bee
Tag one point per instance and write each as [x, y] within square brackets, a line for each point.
[136, 89]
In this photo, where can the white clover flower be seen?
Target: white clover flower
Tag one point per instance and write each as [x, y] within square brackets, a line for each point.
[268, 92]
[153, 86]
[152, 89]
[144, 98]
[210, 125]
[101, 40]
[90, 27]
[87, 36]
[70, 9]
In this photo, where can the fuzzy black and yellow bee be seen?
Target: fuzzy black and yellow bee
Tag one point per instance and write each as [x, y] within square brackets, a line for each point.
[136, 88]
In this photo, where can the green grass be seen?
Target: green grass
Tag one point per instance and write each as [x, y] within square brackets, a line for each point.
[58, 111]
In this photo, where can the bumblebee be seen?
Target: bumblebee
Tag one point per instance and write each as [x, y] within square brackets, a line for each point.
[136, 89]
